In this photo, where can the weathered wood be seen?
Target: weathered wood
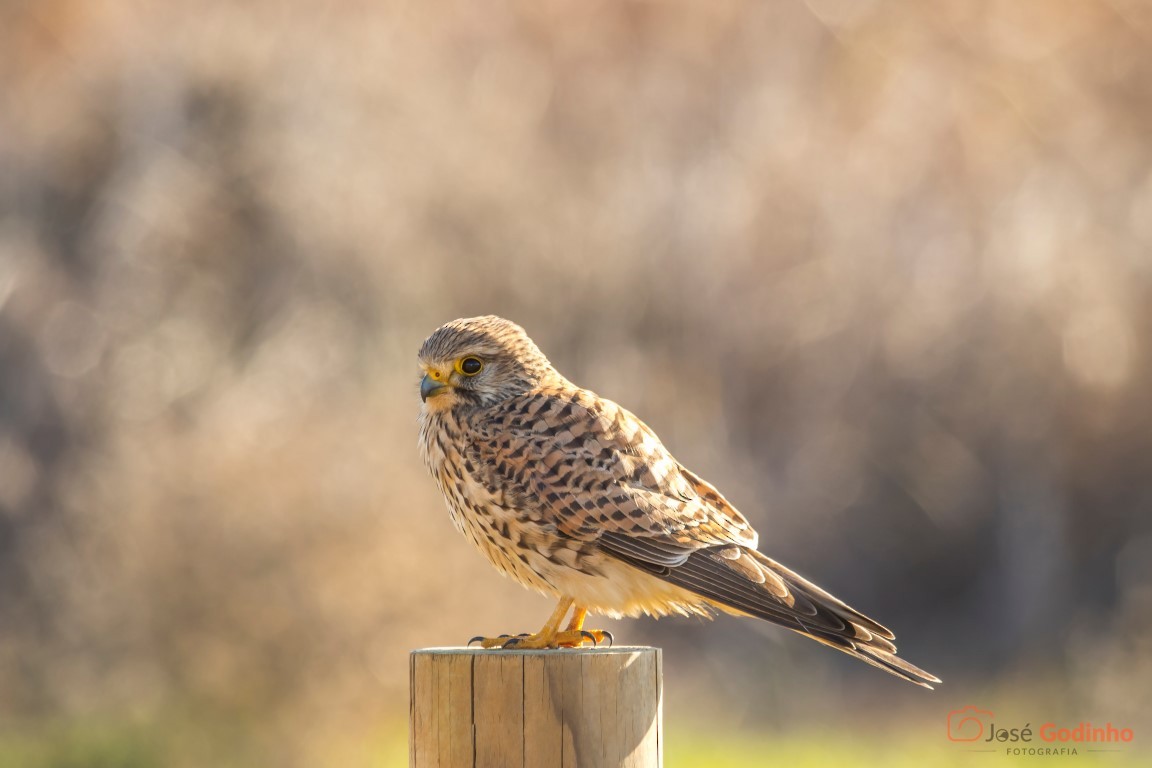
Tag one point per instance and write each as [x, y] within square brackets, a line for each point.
[473, 708]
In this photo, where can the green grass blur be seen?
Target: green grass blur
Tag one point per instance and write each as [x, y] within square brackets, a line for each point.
[815, 749]
[686, 745]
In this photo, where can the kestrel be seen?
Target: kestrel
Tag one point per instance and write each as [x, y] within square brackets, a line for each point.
[573, 496]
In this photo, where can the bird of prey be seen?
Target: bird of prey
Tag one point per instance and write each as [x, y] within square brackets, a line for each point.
[573, 496]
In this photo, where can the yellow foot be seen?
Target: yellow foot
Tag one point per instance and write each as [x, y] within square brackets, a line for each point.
[566, 639]
[550, 636]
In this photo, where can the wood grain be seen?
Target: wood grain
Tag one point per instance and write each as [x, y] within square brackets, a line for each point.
[473, 708]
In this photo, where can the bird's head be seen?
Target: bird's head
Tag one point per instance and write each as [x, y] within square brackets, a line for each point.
[477, 362]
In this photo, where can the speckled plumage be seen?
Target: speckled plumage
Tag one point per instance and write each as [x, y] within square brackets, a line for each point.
[573, 496]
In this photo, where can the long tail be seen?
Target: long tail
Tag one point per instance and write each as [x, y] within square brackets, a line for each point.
[743, 581]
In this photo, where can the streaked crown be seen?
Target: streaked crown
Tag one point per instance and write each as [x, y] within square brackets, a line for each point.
[509, 361]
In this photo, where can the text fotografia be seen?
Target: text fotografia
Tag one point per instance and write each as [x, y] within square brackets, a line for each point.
[1050, 732]
[1040, 751]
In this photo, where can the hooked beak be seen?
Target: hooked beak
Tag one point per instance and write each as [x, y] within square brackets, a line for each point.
[430, 387]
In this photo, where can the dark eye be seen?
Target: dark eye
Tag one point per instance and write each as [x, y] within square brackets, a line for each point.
[470, 366]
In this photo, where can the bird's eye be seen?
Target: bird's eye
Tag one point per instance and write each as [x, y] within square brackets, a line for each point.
[469, 366]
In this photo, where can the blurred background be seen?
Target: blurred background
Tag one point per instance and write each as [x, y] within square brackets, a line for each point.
[880, 271]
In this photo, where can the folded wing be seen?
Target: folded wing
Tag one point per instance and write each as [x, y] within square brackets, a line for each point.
[600, 474]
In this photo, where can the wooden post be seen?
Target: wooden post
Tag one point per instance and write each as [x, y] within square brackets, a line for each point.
[474, 708]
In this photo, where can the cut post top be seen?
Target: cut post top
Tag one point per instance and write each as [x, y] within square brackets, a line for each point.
[474, 651]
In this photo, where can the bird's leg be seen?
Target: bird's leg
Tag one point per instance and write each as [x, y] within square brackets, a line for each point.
[550, 635]
[545, 638]
[576, 629]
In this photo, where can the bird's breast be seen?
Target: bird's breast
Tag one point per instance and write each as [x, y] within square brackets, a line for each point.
[501, 530]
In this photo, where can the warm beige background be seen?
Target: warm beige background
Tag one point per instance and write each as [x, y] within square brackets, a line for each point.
[880, 270]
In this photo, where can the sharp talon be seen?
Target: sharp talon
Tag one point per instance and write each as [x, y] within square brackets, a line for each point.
[510, 642]
[590, 636]
[523, 634]
[608, 637]
[478, 637]
[505, 635]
